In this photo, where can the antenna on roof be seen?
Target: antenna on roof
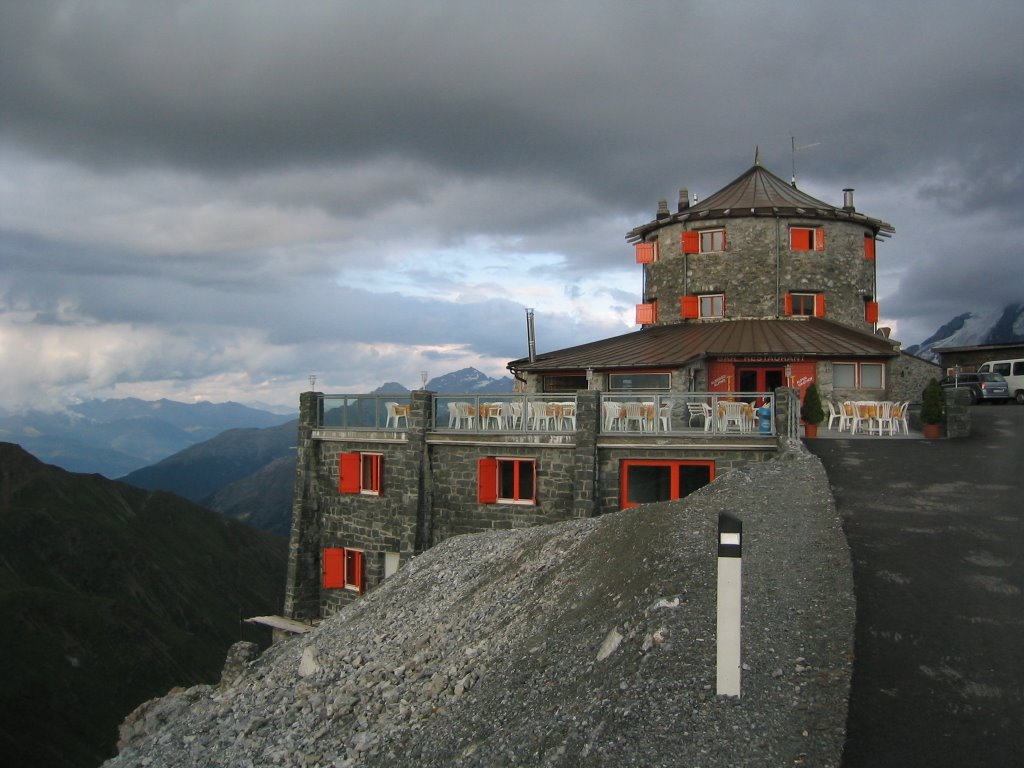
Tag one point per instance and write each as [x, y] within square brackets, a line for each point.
[792, 142]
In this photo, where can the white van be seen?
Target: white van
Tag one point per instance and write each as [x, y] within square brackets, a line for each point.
[1012, 371]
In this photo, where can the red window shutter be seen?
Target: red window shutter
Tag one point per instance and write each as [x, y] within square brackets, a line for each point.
[645, 253]
[644, 314]
[354, 570]
[333, 567]
[799, 239]
[348, 473]
[871, 311]
[487, 481]
[691, 242]
[819, 305]
[690, 306]
[724, 246]
[787, 304]
[819, 239]
[869, 248]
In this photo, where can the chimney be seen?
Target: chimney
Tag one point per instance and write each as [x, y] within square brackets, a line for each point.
[531, 339]
[684, 199]
[662, 209]
[848, 199]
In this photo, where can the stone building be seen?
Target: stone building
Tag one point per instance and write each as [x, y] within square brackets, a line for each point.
[748, 297]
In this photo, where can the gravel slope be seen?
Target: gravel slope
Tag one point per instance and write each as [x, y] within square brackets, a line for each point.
[586, 643]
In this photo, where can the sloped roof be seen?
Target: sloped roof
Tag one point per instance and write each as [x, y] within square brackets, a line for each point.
[759, 192]
[669, 346]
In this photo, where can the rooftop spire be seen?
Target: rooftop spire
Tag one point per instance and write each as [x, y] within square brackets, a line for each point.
[757, 154]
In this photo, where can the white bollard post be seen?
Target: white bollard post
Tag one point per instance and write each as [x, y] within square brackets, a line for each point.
[730, 577]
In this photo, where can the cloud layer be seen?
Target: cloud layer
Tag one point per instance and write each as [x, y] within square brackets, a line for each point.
[217, 199]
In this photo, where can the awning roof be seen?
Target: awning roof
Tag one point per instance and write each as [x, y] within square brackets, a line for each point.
[671, 346]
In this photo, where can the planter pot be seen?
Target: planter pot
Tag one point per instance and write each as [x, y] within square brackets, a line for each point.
[810, 430]
[932, 431]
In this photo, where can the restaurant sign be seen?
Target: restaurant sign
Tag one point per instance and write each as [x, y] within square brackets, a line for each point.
[762, 358]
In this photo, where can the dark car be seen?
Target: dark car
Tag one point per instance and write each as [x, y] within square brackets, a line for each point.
[984, 387]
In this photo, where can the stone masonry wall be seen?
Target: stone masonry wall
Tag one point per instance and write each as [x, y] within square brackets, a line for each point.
[758, 268]
[430, 484]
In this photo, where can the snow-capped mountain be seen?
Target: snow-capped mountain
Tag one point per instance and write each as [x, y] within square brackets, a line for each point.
[998, 326]
[465, 381]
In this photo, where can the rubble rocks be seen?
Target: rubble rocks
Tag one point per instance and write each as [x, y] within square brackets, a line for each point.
[587, 643]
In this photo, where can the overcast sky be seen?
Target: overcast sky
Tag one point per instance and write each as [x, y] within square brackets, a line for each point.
[218, 199]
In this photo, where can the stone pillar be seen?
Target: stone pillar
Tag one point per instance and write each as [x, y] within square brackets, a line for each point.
[588, 418]
[302, 595]
[958, 414]
[421, 421]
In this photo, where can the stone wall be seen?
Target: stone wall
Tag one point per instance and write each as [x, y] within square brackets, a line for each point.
[758, 268]
[907, 376]
[430, 487]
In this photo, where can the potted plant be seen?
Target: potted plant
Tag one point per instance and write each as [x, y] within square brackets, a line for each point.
[932, 408]
[811, 411]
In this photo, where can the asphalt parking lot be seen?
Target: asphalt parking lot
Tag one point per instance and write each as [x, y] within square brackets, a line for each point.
[936, 530]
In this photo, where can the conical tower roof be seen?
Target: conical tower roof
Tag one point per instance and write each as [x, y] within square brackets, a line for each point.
[759, 192]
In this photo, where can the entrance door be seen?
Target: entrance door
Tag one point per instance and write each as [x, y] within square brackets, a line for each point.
[760, 379]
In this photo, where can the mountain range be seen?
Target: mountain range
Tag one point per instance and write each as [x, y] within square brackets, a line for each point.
[115, 437]
[997, 326]
[110, 596]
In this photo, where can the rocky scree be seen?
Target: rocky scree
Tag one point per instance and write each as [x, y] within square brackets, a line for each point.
[586, 643]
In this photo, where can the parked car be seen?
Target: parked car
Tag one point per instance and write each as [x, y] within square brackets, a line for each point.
[1012, 371]
[984, 387]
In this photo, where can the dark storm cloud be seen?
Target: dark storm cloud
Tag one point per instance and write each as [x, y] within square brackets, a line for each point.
[305, 174]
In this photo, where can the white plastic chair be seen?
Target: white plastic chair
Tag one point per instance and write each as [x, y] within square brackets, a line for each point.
[515, 415]
[733, 413]
[567, 416]
[665, 415]
[835, 414]
[700, 411]
[612, 414]
[883, 421]
[541, 415]
[463, 417]
[394, 416]
[900, 417]
[634, 412]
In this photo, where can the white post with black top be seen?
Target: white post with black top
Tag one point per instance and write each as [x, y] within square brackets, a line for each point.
[730, 599]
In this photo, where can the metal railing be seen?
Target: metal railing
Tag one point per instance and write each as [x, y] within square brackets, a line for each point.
[364, 412]
[691, 413]
[505, 413]
[708, 413]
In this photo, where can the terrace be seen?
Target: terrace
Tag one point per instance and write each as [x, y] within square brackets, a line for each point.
[690, 414]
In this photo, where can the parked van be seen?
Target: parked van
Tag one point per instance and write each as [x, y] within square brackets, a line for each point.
[1012, 371]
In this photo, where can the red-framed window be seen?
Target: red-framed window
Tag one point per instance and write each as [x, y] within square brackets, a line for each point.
[869, 248]
[360, 473]
[808, 304]
[806, 239]
[647, 314]
[343, 568]
[646, 481]
[704, 241]
[509, 480]
[712, 305]
[646, 253]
